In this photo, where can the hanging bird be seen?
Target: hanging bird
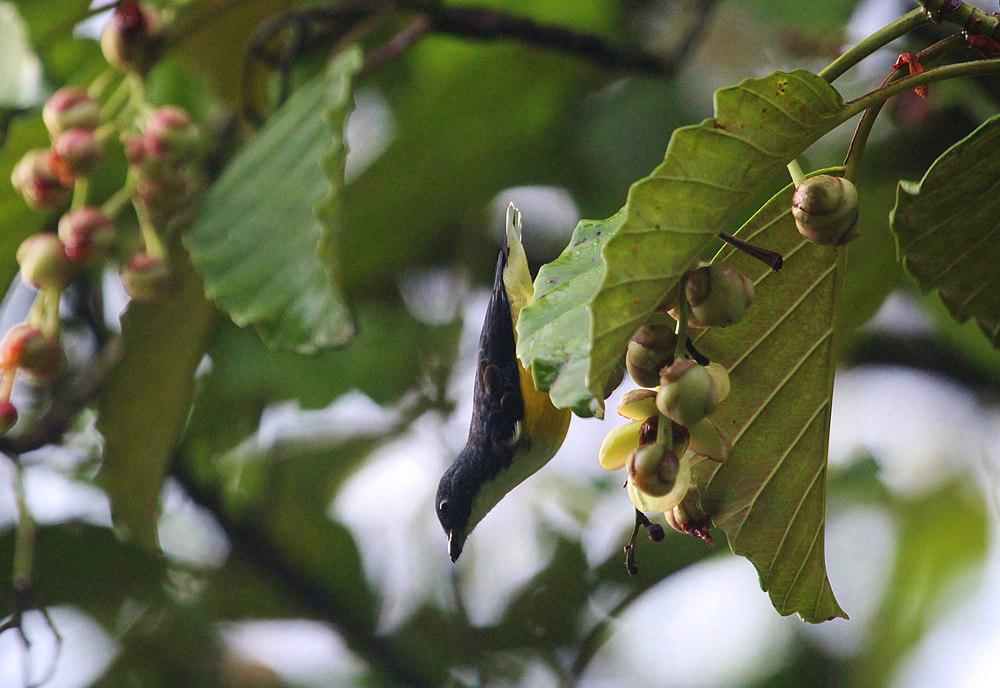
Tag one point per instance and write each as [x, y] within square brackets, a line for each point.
[515, 429]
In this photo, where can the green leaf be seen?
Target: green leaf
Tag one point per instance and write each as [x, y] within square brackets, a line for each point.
[946, 228]
[770, 495]
[147, 397]
[262, 246]
[710, 173]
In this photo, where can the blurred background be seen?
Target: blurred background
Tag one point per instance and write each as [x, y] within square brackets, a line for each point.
[300, 541]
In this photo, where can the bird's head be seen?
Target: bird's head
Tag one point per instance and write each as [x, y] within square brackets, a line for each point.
[455, 496]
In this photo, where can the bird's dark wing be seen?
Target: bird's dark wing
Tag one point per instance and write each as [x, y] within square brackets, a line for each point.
[498, 407]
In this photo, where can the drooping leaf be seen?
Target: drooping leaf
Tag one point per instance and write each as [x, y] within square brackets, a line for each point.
[147, 398]
[260, 243]
[947, 228]
[710, 172]
[770, 495]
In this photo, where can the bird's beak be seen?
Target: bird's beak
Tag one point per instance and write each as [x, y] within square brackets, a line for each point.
[456, 541]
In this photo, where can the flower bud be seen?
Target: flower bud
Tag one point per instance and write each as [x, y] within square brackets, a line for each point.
[132, 36]
[27, 347]
[720, 377]
[651, 348]
[718, 295]
[75, 153]
[35, 179]
[44, 263]
[87, 235]
[826, 210]
[70, 108]
[638, 404]
[164, 194]
[8, 416]
[654, 468]
[687, 393]
[171, 135]
[145, 277]
[708, 441]
[689, 518]
[617, 445]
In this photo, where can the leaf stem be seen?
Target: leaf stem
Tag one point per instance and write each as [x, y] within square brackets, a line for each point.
[680, 350]
[80, 189]
[795, 170]
[887, 34]
[936, 51]
[24, 542]
[880, 95]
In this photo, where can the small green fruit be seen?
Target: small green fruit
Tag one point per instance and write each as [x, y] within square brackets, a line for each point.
[70, 108]
[132, 36]
[44, 263]
[75, 153]
[651, 348]
[653, 469]
[826, 210]
[38, 183]
[171, 134]
[687, 393]
[145, 277]
[87, 235]
[27, 347]
[718, 295]
[681, 476]
[720, 378]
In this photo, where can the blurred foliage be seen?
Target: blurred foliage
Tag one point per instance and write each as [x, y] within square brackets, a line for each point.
[466, 120]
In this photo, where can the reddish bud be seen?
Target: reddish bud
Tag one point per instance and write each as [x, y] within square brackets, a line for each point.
[171, 134]
[145, 277]
[44, 263]
[913, 63]
[27, 347]
[8, 416]
[132, 36]
[35, 179]
[70, 108]
[76, 153]
[87, 235]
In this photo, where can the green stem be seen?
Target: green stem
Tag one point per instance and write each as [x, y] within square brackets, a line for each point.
[150, 237]
[50, 325]
[880, 95]
[24, 539]
[116, 204]
[80, 189]
[966, 17]
[879, 39]
[795, 170]
[940, 49]
[115, 101]
[680, 348]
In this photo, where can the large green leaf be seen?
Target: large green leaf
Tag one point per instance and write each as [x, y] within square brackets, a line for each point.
[947, 228]
[260, 243]
[770, 495]
[710, 172]
[147, 398]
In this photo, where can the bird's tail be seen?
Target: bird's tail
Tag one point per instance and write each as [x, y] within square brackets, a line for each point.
[516, 275]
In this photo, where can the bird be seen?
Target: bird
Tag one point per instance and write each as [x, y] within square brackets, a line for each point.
[515, 428]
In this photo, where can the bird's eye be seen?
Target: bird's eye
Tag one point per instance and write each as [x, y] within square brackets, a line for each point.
[443, 506]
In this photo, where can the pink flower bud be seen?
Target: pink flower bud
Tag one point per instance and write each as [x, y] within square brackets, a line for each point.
[87, 235]
[44, 263]
[27, 347]
[70, 108]
[35, 179]
[145, 277]
[76, 153]
[132, 36]
[171, 135]
[8, 416]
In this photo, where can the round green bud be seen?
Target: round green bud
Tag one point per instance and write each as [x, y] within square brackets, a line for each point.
[651, 348]
[653, 469]
[37, 181]
[171, 134]
[681, 472]
[8, 416]
[26, 347]
[718, 295]
[145, 277]
[44, 263]
[638, 404]
[687, 393]
[825, 209]
[70, 108]
[75, 153]
[87, 235]
[617, 446]
[132, 36]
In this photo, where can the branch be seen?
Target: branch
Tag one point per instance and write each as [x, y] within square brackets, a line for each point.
[249, 539]
[963, 15]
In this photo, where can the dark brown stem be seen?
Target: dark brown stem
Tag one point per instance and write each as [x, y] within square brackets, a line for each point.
[771, 259]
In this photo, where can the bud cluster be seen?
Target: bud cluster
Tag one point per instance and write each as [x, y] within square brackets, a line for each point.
[161, 148]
